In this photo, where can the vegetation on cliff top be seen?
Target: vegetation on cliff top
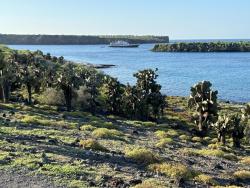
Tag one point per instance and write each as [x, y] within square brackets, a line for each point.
[77, 39]
[203, 47]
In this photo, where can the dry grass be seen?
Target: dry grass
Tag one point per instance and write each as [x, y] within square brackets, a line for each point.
[242, 174]
[92, 144]
[142, 155]
[205, 179]
[175, 171]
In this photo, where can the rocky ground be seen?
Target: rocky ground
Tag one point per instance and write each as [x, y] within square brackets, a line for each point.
[41, 147]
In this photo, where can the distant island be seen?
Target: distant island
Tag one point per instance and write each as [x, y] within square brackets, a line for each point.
[77, 39]
[203, 47]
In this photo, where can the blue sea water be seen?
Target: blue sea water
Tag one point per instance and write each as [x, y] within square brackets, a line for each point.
[228, 72]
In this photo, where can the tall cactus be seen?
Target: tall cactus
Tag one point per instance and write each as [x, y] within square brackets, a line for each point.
[246, 115]
[222, 127]
[246, 111]
[237, 129]
[204, 100]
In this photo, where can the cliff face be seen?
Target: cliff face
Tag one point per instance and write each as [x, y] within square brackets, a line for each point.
[76, 39]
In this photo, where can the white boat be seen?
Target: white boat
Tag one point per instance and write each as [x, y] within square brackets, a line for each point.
[122, 44]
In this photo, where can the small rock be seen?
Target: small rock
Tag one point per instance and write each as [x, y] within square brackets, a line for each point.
[135, 132]
[218, 166]
[117, 168]
[176, 109]
[53, 141]
[105, 177]
[134, 182]
[4, 115]
[11, 112]
[92, 184]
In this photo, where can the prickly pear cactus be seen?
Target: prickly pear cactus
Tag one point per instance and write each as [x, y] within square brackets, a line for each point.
[204, 100]
[246, 111]
[237, 129]
[245, 116]
[222, 127]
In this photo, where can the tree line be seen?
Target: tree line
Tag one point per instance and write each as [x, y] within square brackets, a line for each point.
[35, 72]
[203, 47]
[77, 39]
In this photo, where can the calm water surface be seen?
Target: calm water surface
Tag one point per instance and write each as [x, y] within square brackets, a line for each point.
[229, 72]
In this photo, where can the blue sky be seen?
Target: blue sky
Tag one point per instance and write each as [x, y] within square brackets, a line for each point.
[180, 19]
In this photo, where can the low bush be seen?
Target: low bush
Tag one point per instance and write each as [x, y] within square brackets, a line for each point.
[242, 175]
[87, 127]
[148, 124]
[52, 96]
[205, 179]
[107, 133]
[150, 183]
[142, 155]
[211, 152]
[176, 171]
[245, 160]
[92, 144]
[32, 119]
[196, 139]
[64, 170]
[161, 134]
[172, 133]
[163, 142]
[109, 125]
[184, 137]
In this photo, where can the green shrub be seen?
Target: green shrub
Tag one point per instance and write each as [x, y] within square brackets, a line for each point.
[148, 124]
[163, 142]
[206, 179]
[161, 134]
[64, 170]
[52, 96]
[172, 133]
[107, 133]
[245, 160]
[32, 119]
[30, 161]
[196, 139]
[242, 174]
[109, 125]
[142, 155]
[184, 137]
[150, 183]
[175, 171]
[214, 141]
[211, 152]
[92, 144]
[87, 127]
[214, 146]
[188, 151]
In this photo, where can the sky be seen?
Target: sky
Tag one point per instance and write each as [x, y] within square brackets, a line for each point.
[179, 19]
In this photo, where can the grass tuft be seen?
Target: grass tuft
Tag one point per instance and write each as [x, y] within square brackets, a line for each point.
[87, 127]
[242, 175]
[92, 144]
[245, 160]
[107, 133]
[205, 179]
[142, 155]
[175, 171]
[150, 183]
[164, 142]
[161, 134]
